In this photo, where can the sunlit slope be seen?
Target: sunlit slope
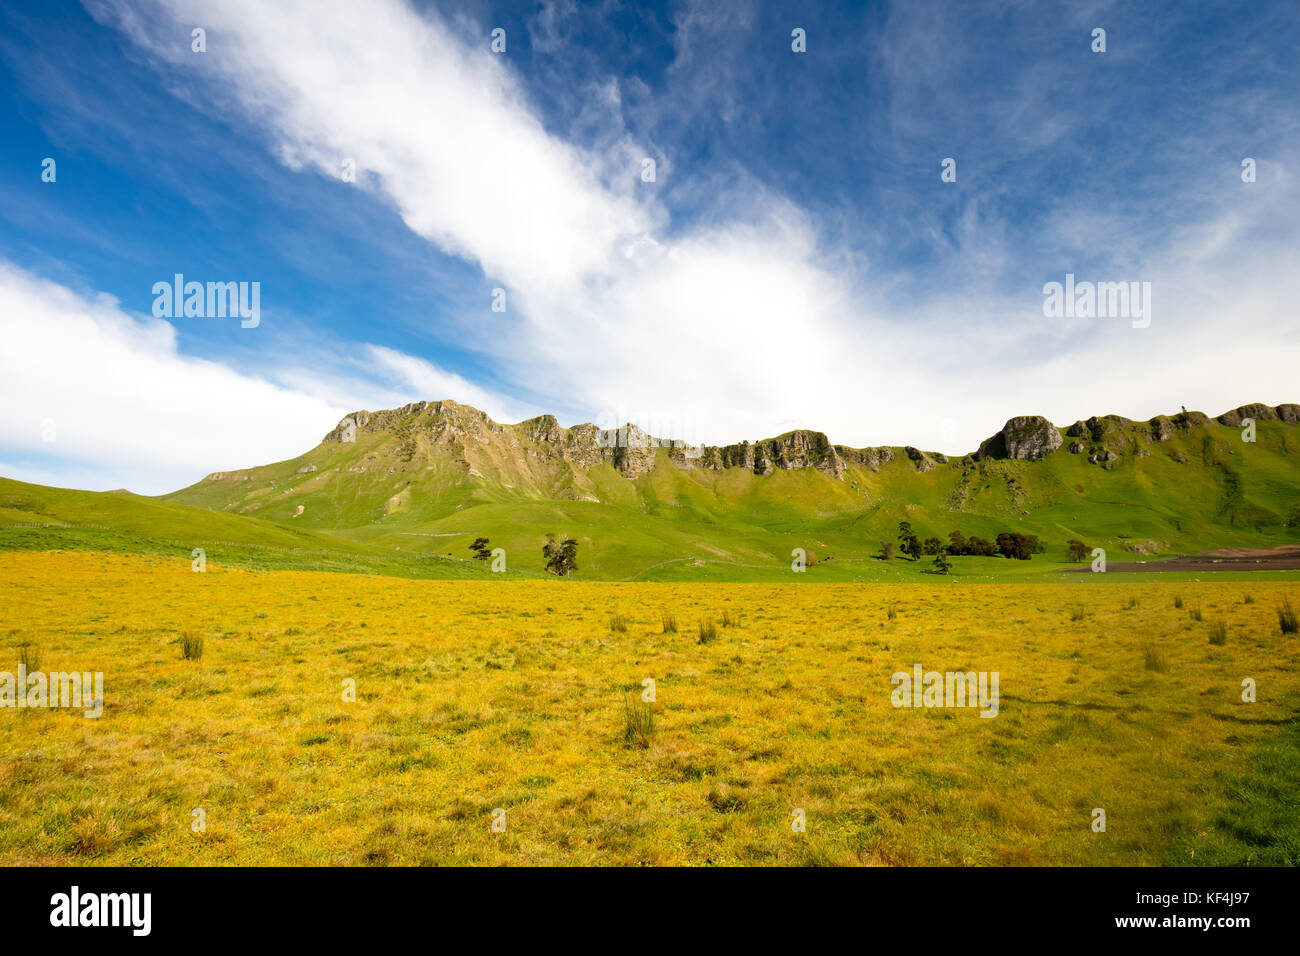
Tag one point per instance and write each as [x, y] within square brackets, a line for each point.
[36, 517]
[404, 484]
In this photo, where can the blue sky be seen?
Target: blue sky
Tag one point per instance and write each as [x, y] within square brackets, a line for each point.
[797, 261]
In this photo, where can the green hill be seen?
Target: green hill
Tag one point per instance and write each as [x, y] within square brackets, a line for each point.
[34, 517]
[431, 477]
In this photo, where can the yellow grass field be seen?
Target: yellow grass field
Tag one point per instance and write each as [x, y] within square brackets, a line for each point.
[473, 696]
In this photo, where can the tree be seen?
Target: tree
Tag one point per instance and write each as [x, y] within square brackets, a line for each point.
[1012, 544]
[886, 550]
[908, 543]
[1076, 550]
[957, 543]
[561, 554]
[941, 565]
[932, 546]
[1021, 547]
[481, 549]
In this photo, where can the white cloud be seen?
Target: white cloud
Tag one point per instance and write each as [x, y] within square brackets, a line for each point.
[124, 408]
[439, 128]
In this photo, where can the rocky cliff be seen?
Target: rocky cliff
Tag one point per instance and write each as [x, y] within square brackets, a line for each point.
[467, 434]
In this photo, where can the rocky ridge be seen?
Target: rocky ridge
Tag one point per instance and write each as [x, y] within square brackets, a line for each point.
[460, 430]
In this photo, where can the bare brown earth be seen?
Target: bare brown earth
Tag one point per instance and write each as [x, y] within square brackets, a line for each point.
[1283, 558]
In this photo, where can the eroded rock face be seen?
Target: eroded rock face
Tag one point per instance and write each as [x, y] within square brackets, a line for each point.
[542, 428]
[869, 458]
[1102, 427]
[460, 433]
[922, 461]
[793, 450]
[801, 449]
[630, 449]
[1025, 437]
[1260, 413]
[1162, 429]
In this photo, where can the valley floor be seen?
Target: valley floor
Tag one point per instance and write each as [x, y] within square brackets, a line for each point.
[478, 696]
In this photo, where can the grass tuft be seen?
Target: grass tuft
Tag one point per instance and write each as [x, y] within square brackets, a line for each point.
[29, 656]
[1286, 617]
[191, 646]
[670, 623]
[708, 630]
[638, 722]
[617, 623]
[725, 799]
[1218, 633]
[1154, 658]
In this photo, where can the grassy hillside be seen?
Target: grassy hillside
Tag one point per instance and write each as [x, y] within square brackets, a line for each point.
[415, 479]
[408, 491]
[37, 518]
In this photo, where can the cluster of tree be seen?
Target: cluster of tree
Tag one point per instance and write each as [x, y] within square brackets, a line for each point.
[1009, 544]
[561, 554]
[1076, 550]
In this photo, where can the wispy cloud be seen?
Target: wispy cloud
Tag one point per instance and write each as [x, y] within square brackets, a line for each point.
[92, 395]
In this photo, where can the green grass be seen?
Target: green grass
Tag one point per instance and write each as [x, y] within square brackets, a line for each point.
[38, 518]
[1255, 824]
